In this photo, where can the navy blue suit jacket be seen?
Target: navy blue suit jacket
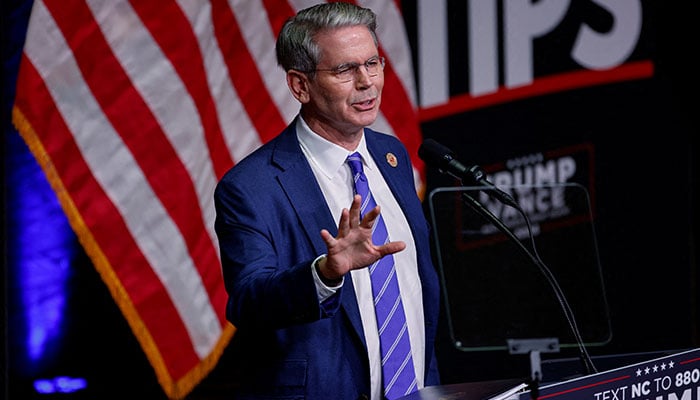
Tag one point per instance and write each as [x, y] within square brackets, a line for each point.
[270, 212]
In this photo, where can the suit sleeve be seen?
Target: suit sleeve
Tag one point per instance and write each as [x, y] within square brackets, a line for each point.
[263, 290]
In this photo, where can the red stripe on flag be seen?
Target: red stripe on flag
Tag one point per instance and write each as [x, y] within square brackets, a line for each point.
[401, 115]
[278, 12]
[244, 73]
[133, 120]
[173, 32]
[134, 285]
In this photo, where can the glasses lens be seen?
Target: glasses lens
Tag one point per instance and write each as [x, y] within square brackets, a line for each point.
[372, 66]
[375, 65]
[346, 73]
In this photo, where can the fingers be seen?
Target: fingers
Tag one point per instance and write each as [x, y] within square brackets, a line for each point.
[391, 248]
[352, 247]
[371, 217]
[327, 238]
[355, 211]
[344, 225]
[350, 219]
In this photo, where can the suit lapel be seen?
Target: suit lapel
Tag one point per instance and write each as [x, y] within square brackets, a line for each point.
[299, 183]
[380, 151]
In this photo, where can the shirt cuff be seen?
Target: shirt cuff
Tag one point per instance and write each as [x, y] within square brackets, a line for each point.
[323, 291]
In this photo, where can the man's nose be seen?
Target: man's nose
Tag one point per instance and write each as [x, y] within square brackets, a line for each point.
[362, 76]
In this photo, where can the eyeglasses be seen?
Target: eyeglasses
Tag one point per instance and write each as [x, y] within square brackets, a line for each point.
[347, 72]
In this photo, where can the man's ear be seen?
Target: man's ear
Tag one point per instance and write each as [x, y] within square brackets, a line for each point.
[298, 84]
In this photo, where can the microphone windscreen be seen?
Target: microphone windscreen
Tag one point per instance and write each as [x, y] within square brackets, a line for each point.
[434, 153]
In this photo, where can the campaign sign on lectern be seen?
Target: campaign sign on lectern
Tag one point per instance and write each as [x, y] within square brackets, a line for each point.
[676, 377]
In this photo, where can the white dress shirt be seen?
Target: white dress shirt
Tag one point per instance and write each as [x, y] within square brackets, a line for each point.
[333, 175]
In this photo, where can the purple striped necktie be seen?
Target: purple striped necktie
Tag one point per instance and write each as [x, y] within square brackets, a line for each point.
[398, 375]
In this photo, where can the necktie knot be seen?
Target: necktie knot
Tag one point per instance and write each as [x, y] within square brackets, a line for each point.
[354, 160]
[360, 184]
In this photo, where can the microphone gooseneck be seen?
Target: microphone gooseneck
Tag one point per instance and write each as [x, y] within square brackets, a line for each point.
[436, 155]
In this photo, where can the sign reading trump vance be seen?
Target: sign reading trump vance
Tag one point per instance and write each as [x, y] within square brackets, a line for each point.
[675, 377]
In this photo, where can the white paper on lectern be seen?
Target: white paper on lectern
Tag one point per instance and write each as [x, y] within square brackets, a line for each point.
[510, 394]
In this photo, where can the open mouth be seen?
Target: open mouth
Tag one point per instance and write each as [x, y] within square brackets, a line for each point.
[367, 104]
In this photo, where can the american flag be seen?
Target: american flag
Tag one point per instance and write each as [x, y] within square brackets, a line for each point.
[134, 110]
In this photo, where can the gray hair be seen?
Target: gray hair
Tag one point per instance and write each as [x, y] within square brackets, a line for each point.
[296, 48]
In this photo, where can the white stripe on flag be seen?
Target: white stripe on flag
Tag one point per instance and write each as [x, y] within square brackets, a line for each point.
[158, 83]
[301, 4]
[255, 27]
[120, 176]
[240, 134]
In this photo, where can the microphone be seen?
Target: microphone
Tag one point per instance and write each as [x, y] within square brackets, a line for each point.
[437, 155]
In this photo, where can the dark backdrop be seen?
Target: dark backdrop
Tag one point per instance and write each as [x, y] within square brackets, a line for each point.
[644, 136]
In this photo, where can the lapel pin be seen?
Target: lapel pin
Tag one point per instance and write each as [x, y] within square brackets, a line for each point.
[391, 159]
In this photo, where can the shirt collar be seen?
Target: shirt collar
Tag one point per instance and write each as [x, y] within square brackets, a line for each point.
[328, 156]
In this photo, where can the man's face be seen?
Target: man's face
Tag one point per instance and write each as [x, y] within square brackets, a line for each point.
[337, 107]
